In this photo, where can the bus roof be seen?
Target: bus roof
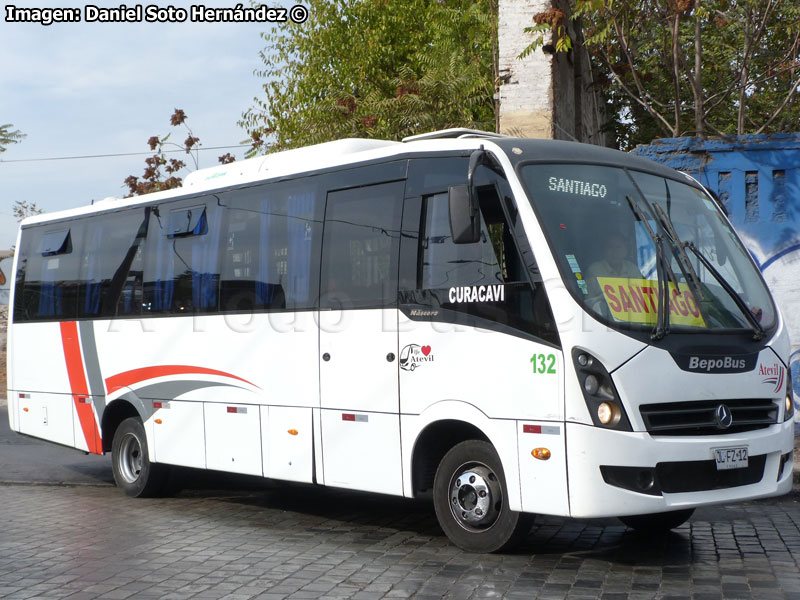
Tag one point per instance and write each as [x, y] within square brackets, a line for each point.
[357, 150]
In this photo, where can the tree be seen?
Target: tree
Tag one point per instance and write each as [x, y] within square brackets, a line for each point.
[23, 209]
[378, 69]
[689, 67]
[154, 179]
[7, 136]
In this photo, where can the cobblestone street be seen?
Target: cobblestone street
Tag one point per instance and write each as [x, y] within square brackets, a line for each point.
[303, 542]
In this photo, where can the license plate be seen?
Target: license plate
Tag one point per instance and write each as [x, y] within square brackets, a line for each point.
[730, 458]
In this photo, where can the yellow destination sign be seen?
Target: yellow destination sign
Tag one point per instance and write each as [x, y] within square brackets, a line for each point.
[636, 301]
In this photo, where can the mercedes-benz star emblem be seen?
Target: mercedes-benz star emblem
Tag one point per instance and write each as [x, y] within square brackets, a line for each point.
[724, 417]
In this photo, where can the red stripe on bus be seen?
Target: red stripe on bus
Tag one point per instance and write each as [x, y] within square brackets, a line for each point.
[128, 378]
[78, 385]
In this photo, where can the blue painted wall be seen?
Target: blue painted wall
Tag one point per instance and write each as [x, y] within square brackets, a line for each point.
[757, 178]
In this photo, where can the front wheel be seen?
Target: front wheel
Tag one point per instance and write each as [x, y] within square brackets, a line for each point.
[471, 500]
[134, 474]
[658, 522]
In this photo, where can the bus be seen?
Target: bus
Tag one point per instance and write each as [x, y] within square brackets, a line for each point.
[507, 327]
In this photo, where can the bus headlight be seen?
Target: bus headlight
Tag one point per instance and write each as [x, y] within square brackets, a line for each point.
[602, 400]
[609, 413]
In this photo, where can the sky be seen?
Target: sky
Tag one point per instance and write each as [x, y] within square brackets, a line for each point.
[85, 89]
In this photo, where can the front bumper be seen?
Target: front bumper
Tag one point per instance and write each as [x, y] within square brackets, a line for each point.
[679, 462]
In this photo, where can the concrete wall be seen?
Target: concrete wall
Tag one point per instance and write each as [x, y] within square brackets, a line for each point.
[526, 96]
[545, 95]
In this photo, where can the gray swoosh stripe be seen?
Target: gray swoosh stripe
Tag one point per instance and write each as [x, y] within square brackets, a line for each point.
[169, 390]
[91, 362]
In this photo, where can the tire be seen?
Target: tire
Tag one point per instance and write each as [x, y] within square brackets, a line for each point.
[658, 522]
[471, 500]
[134, 474]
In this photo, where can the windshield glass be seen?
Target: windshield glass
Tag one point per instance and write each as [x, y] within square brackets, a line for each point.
[602, 222]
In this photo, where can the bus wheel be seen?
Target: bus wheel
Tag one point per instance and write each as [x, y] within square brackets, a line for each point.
[659, 522]
[471, 500]
[134, 474]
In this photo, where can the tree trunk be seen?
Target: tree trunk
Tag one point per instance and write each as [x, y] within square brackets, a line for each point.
[699, 106]
[744, 74]
[676, 74]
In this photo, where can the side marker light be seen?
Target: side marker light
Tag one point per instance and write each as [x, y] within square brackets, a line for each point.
[540, 453]
[158, 421]
[293, 432]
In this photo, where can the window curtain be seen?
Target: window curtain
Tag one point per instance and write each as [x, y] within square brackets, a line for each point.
[265, 292]
[205, 255]
[300, 229]
[50, 293]
[164, 284]
[91, 279]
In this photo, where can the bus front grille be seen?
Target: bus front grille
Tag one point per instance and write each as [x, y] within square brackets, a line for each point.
[705, 417]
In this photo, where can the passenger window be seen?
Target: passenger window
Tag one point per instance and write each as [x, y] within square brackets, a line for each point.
[47, 276]
[360, 247]
[110, 270]
[181, 268]
[270, 248]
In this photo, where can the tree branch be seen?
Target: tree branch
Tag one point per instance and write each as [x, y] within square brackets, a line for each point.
[653, 112]
[792, 90]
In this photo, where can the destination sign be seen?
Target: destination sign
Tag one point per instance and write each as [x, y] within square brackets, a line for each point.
[636, 301]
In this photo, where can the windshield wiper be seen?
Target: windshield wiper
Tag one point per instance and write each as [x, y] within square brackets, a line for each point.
[663, 271]
[758, 330]
[689, 274]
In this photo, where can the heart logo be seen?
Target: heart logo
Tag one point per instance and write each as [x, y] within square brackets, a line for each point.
[426, 350]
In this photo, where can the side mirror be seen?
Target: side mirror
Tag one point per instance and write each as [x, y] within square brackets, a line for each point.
[465, 221]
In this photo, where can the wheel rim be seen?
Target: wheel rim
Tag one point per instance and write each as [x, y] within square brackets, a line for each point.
[130, 458]
[476, 497]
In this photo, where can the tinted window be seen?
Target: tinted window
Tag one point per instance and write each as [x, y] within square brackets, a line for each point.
[111, 264]
[47, 276]
[482, 281]
[360, 247]
[181, 270]
[271, 246]
[446, 264]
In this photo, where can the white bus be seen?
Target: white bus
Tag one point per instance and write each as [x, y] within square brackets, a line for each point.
[509, 326]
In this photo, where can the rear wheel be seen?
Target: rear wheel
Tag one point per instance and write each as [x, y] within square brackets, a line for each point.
[134, 474]
[658, 522]
[471, 500]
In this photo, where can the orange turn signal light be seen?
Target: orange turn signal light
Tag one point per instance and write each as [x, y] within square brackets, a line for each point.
[293, 432]
[25, 409]
[158, 421]
[540, 453]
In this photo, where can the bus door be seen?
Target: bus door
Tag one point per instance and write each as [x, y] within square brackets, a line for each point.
[358, 338]
[476, 326]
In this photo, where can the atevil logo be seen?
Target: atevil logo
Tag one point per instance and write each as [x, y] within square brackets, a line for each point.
[413, 355]
[774, 373]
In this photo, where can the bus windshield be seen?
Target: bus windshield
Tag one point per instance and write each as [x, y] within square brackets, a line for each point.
[628, 242]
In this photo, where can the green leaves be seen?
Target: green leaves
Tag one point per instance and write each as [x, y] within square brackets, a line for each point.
[372, 68]
[7, 136]
[644, 54]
